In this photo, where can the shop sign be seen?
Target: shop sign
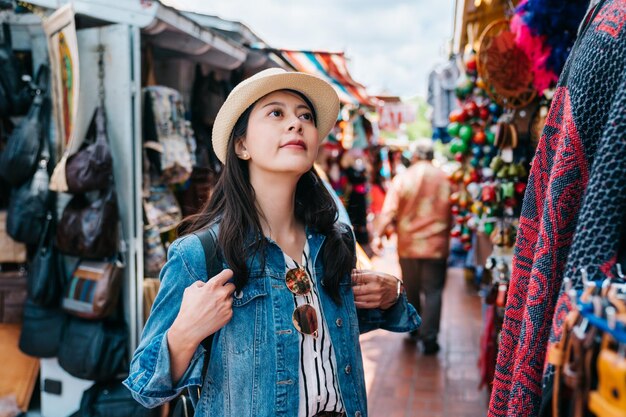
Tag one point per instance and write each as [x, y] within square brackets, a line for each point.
[392, 115]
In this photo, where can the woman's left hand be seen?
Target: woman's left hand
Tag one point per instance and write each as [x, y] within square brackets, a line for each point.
[374, 289]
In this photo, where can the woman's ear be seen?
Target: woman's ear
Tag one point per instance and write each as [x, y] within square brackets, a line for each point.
[241, 151]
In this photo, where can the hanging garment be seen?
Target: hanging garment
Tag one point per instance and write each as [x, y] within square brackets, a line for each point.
[573, 209]
[441, 96]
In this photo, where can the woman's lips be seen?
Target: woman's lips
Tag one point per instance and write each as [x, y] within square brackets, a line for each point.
[300, 144]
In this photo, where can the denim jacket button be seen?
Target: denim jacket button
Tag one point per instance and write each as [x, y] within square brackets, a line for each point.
[357, 414]
[347, 369]
[339, 322]
[239, 295]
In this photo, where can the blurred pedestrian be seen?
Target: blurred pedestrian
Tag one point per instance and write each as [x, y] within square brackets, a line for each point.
[417, 204]
[284, 308]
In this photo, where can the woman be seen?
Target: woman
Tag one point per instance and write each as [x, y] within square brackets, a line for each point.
[284, 309]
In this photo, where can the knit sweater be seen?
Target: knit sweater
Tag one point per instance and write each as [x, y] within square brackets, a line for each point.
[573, 209]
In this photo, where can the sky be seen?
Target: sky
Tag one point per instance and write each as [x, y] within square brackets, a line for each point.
[391, 45]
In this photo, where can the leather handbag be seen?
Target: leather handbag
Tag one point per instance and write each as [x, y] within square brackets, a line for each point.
[89, 229]
[91, 168]
[45, 274]
[18, 161]
[112, 399]
[41, 330]
[10, 250]
[93, 349]
[93, 290]
[26, 216]
[15, 96]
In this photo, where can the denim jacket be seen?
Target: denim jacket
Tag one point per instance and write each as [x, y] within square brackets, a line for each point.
[254, 364]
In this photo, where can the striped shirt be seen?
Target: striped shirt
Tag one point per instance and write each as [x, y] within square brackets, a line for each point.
[319, 390]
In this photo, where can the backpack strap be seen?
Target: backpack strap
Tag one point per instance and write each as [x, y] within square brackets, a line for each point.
[208, 239]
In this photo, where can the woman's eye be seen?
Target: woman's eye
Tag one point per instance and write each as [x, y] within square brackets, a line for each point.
[276, 113]
[307, 116]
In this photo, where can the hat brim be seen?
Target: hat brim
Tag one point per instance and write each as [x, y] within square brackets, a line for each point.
[321, 94]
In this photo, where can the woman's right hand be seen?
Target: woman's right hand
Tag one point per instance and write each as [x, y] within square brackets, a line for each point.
[206, 307]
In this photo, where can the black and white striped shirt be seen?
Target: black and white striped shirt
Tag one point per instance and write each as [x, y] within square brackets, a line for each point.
[319, 389]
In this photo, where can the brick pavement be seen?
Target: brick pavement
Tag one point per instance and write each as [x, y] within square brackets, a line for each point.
[401, 382]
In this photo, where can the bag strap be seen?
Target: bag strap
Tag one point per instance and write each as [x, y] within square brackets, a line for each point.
[213, 267]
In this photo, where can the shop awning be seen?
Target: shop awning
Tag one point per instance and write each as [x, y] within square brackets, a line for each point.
[332, 67]
[165, 27]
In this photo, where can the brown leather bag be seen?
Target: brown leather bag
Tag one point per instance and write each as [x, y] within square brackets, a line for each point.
[89, 229]
[93, 290]
[91, 168]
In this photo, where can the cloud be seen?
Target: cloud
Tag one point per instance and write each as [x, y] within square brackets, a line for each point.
[391, 45]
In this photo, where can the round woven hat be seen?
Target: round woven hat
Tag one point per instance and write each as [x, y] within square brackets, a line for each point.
[319, 92]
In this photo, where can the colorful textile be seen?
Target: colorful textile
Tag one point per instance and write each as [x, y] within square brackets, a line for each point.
[573, 209]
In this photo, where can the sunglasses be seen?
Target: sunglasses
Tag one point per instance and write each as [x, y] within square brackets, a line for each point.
[304, 317]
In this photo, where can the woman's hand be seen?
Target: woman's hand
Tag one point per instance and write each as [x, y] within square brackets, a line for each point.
[206, 307]
[374, 289]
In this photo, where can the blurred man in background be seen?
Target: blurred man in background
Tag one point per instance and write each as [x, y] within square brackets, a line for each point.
[418, 205]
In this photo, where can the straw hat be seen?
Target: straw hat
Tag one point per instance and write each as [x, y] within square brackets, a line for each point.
[319, 92]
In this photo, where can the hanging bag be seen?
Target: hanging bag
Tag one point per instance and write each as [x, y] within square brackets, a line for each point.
[45, 274]
[41, 330]
[15, 97]
[88, 229]
[91, 168]
[92, 291]
[93, 349]
[26, 216]
[18, 161]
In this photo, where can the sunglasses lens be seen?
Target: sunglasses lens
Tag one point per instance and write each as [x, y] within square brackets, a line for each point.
[305, 320]
[298, 281]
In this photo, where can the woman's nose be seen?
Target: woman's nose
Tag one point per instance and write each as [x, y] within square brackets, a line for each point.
[295, 125]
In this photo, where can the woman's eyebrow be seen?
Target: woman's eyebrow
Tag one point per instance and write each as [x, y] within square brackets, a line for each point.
[278, 103]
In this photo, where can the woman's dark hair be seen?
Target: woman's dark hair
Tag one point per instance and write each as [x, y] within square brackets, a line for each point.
[232, 204]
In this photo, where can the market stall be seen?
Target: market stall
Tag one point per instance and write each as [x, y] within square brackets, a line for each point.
[111, 64]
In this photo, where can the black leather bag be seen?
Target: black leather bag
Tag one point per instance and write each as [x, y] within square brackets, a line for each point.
[18, 161]
[112, 399]
[15, 95]
[94, 350]
[91, 168]
[89, 229]
[26, 216]
[41, 330]
[45, 274]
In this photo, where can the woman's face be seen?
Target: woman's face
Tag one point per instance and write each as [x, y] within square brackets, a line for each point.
[281, 135]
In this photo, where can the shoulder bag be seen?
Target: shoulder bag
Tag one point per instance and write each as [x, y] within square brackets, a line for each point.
[88, 229]
[46, 272]
[93, 290]
[91, 168]
[18, 161]
[41, 330]
[26, 216]
[93, 349]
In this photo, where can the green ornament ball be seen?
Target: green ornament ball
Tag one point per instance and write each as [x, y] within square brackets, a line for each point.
[465, 133]
[453, 129]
